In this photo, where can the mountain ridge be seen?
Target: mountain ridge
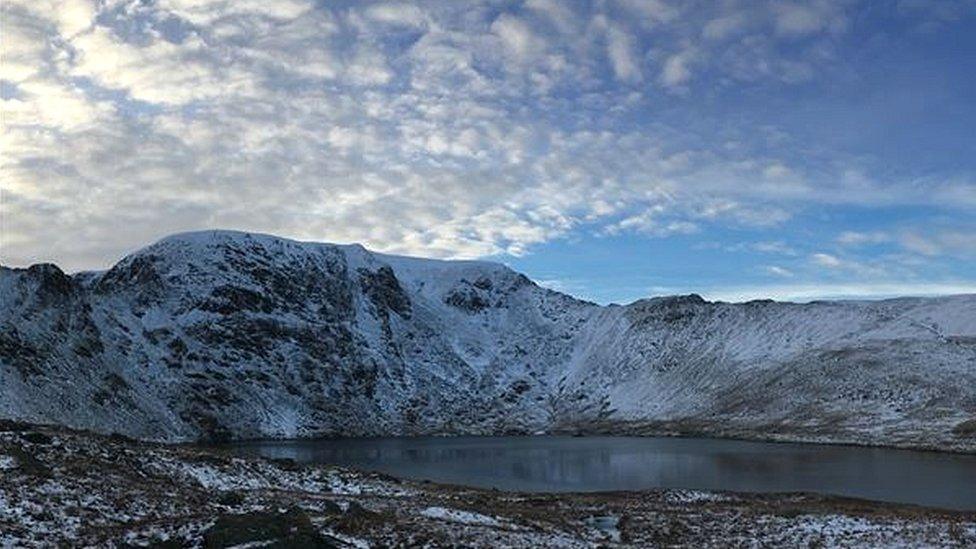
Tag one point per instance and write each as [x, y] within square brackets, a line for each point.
[240, 234]
[225, 334]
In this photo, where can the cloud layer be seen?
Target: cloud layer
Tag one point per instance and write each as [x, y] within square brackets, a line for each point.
[434, 128]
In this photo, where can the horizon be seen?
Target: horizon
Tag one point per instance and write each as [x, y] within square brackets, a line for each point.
[735, 296]
[612, 151]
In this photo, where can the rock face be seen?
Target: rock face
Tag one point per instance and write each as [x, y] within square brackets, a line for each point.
[231, 335]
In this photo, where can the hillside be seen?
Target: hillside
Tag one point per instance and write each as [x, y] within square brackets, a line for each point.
[221, 334]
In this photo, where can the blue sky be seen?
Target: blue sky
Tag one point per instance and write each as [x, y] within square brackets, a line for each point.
[611, 149]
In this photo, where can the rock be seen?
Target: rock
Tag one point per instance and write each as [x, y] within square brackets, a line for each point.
[220, 335]
[291, 529]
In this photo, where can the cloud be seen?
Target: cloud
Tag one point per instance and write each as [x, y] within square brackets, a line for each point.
[651, 13]
[878, 268]
[646, 224]
[407, 15]
[516, 35]
[623, 59]
[428, 128]
[855, 238]
[774, 247]
[725, 26]
[208, 12]
[821, 291]
[677, 69]
[368, 68]
[751, 215]
[157, 71]
[827, 260]
[800, 19]
[930, 243]
[950, 242]
[778, 271]
[559, 13]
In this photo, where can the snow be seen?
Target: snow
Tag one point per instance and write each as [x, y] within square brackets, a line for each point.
[349, 540]
[94, 491]
[457, 515]
[833, 525]
[243, 335]
[695, 496]
[608, 525]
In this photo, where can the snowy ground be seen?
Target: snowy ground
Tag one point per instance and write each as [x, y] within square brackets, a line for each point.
[67, 488]
[221, 335]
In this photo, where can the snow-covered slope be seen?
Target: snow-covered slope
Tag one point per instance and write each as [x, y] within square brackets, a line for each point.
[223, 334]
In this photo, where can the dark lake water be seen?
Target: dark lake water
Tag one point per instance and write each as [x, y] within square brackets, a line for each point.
[567, 464]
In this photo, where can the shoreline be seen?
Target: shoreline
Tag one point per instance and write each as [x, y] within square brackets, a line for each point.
[758, 438]
[64, 487]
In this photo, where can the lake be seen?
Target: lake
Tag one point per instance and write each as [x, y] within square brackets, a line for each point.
[585, 464]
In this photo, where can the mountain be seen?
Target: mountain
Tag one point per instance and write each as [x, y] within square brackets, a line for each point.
[219, 334]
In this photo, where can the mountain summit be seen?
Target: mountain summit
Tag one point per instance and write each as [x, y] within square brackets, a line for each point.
[218, 334]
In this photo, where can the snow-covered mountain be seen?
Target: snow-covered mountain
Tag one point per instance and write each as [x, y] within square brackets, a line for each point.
[223, 334]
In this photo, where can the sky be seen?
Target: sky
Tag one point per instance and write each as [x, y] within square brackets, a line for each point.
[610, 149]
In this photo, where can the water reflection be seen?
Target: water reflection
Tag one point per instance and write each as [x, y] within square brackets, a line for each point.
[565, 464]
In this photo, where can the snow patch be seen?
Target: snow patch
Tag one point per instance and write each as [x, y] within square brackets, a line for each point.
[694, 496]
[457, 515]
[608, 525]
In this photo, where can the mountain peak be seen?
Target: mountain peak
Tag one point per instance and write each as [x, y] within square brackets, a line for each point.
[213, 334]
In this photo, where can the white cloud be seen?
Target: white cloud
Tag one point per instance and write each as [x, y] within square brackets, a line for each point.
[801, 19]
[827, 260]
[368, 68]
[677, 69]
[740, 211]
[156, 72]
[26, 44]
[940, 243]
[774, 247]
[417, 128]
[207, 12]
[855, 238]
[650, 223]
[71, 16]
[558, 12]
[517, 37]
[880, 268]
[623, 58]
[398, 14]
[52, 104]
[778, 271]
[813, 292]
